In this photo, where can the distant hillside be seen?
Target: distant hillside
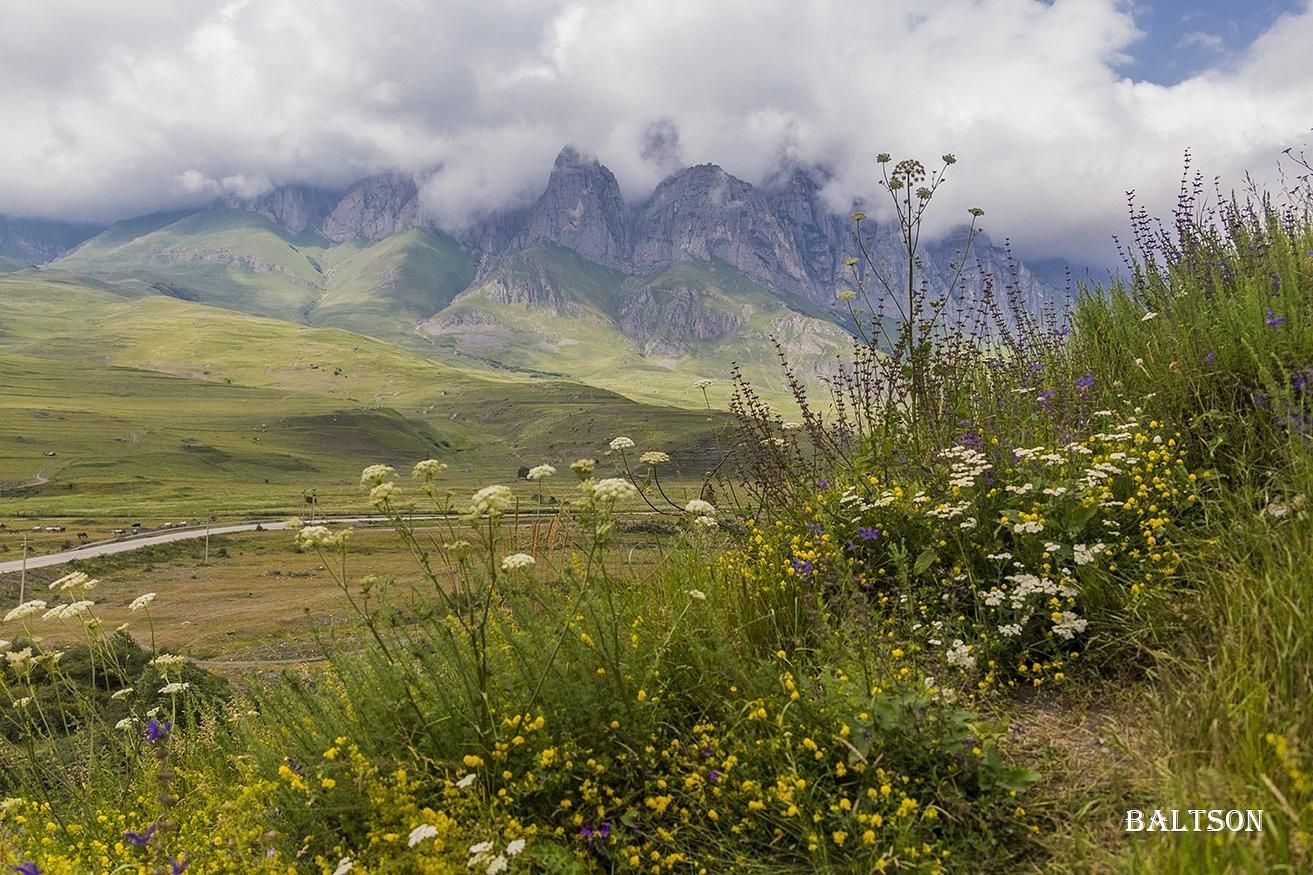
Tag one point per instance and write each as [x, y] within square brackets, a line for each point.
[642, 299]
[35, 241]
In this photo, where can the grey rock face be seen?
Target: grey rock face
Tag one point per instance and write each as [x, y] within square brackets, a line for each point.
[36, 241]
[704, 212]
[582, 209]
[375, 208]
[674, 316]
[295, 207]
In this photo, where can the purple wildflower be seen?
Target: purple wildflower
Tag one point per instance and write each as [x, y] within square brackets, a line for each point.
[157, 731]
[868, 533]
[823, 483]
[177, 867]
[1273, 320]
[803, 568]
[1209, 357]
[815, 528]
[140, 839]
[1036, 367]
[603, 831]
[713, 776]
[1045, 398]
[27, 868]
[1085, 381]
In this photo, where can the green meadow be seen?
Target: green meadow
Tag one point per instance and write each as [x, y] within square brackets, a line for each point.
[1016, 582]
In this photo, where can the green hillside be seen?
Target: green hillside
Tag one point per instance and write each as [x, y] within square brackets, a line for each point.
[157, 402]
[544, 313]
[649, 338]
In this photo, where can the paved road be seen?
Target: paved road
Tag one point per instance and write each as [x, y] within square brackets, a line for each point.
[105, 548]
[147, 539]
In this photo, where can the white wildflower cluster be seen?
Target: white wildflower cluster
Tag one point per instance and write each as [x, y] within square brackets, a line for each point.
[374, 475]
[427, 469]
[317, 538]
[1010, 630]
[540, 472]
[142, 601]
[966, 465]
[1068, 625]
[703, 514]
[1023, 489]
[168, 661]
[946, 511]
[482, 856]
[959, 656]
[516, 562]
[492, 501]
[703, 384]
[381, 494]
[1026, 453]
[621, 443]
[69, 611]
[791, 426]
[1084, 554]
[612, 490]
[1026, 585]
[698, 507]
[1029, 527]
[26, 609]
[654, 457]
[583, 467]
[174, 688]
[76, 580]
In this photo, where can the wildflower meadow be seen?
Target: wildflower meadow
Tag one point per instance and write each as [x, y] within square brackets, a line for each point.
[869, 644]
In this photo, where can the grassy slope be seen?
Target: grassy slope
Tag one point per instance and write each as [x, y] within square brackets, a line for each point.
[263, 393]
[384, 289]
[585, 341]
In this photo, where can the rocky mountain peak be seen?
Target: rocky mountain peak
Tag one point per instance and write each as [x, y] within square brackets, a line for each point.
[375, 208]
[704, 212]
[581, 209]
[295, 207]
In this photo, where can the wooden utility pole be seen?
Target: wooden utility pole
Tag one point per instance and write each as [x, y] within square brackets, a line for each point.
[22, 578]
[208, 519]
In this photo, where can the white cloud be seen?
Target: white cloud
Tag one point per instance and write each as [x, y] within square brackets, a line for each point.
[140, 105]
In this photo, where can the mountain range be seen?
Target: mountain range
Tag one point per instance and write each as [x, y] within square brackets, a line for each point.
[642, 298]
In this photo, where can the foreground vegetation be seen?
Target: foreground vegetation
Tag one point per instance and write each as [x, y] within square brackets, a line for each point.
[1007, 520]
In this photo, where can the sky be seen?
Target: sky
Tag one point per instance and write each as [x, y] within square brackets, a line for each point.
[1053, 108]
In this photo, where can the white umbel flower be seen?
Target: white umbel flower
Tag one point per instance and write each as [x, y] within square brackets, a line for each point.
[142, 601]
[613, 489]
[698, 507]
[428, 469]
[420, 833]
[492, 500]
[174, 688]
[516, 561]
[376, 474]
[26, 609]
[541, 472]
[654, 457]
[622, 443]
[705, 523]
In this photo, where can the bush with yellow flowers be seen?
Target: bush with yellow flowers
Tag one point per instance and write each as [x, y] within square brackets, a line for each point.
[996, 563]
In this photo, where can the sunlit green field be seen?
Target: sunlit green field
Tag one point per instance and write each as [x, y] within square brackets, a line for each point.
[169, 408]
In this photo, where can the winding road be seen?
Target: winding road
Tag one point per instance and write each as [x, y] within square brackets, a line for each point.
[123, 545]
